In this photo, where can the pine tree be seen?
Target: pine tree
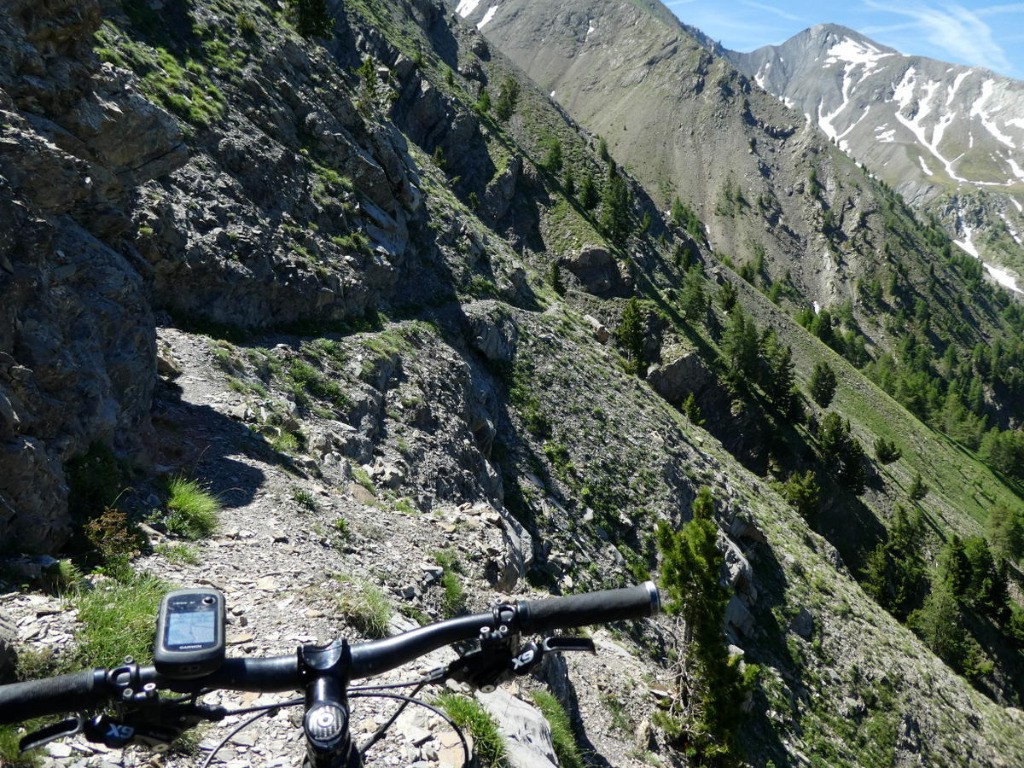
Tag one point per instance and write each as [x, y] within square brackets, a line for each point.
[727, 296]
[552, 161]
[939, 622]
[615, 209]
[508, 98]
[1005, 530]
[740, 348]
[692, 299]
[779, 381]
[823, 384]
[692, 411]
[894, 573]
[589, 197]
[918, 490]
[311, 17]
[886, 451]
[631, 334]
[803, 493]
[711, 687]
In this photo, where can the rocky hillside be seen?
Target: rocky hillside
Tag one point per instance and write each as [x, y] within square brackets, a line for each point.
[359, 283]
[770, 191]
[949, 138]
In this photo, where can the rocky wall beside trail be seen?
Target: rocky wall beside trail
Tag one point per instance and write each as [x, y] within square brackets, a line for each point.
[77, 337]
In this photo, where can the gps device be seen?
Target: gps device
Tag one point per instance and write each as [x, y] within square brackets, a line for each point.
[189, 633]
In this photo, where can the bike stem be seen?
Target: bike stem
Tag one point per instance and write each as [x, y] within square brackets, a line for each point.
[325, 671]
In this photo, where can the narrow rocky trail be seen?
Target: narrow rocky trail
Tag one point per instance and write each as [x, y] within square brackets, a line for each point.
[288, 569]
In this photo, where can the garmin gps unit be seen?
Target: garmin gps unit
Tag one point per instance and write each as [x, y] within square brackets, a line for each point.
[189, 633]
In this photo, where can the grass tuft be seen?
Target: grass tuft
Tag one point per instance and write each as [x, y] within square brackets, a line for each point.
[117, 619]
[488, 744]
[566, 749]
[364, 605]
[191, 510]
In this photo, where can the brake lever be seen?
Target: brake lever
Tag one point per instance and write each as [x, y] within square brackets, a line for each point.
[531, 654]
[489, 665]
[61, 730]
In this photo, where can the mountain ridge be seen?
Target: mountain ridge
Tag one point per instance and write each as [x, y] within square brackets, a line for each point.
[386, 285]
[949, 138]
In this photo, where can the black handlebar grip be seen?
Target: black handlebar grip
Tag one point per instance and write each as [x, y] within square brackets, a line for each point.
[591, 608]
[64, 693]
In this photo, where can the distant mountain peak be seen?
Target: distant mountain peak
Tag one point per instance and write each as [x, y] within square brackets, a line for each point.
[939, 133]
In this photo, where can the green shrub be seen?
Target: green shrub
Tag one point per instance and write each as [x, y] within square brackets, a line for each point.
[191, 510]
[566, 749]
[117, 541]
[487, 741]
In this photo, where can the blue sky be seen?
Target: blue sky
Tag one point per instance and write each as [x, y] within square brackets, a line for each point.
[980, 34]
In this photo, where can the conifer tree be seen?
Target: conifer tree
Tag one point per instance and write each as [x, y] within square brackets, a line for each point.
[508, 98]
[823, 383]
[615, 209]
[1005, 530]
[589, 197]
[692, 299]
[711, 686]
[630, 334]
[740, 348]
[779, 381]
[311, 17]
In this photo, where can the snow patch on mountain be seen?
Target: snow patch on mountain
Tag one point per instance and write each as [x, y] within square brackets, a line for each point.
[951, 91]
[978, 110]
[856, 53]
[487, 16]
[466, 7]
[914, 108]
[1003, 277]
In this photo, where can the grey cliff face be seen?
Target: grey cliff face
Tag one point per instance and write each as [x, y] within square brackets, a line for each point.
[77, 337]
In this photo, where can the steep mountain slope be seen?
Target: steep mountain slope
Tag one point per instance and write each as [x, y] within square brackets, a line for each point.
[387, 296]
[770, 193]
[949, 138]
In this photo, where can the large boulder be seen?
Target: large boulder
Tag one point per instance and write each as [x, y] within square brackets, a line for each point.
[681, 377]
[597, 272]
[527, 734]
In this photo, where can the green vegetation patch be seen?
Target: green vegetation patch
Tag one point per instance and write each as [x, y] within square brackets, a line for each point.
[487, 741]
[182, 86]
[117, 619]
[192, 511]
[364, 605]
[566, 749]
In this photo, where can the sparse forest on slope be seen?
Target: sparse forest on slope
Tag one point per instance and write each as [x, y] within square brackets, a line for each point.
[425, 317]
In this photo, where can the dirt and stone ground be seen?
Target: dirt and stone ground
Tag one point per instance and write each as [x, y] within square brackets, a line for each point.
[283, 563]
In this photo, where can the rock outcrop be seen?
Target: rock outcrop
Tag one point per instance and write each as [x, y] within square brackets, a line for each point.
[77, 337]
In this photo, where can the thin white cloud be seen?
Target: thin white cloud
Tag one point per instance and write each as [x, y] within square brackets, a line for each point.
[963, 33]
[775, 11]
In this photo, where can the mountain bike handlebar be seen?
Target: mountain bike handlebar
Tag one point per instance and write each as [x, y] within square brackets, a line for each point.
[94, 688]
